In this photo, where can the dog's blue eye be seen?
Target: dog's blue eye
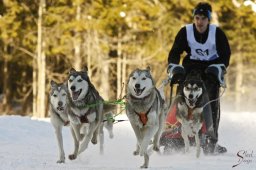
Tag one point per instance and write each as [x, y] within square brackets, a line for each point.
[133, 78]
[144, 78]
[54, 95]
[70, 80]
[80, 80]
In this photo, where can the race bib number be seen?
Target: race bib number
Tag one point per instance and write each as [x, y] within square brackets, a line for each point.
[202, 53]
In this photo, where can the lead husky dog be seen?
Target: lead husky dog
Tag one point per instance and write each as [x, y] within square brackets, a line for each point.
[58, 113]
[85, 107]
[145, 111]
[190, 107]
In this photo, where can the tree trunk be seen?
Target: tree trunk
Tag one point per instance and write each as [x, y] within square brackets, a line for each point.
[104, 86]
[6, 87]
[119, 64]
[41, 64]
[77, 41]
[35, 82]
[124, 79]
[89, 52]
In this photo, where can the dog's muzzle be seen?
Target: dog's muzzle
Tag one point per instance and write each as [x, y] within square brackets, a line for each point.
[75, 94]
[191, 101]
[60, 108]
[138, 91]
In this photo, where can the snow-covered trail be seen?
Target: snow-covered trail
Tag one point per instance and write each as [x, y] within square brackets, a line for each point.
[30, 144]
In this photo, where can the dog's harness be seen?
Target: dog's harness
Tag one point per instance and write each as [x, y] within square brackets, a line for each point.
[190, 116]
[143, 116]
[84, 118]
[65, 122]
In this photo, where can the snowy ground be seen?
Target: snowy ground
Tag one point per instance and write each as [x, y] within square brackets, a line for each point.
[30, 144]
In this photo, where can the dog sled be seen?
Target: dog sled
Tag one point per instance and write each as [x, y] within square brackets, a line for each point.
[171, 138]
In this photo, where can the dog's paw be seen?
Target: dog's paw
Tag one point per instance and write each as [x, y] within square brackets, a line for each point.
[143, 166]
[72, 156]
[94, 141]
[136, 152]
[61, 161]
[156, 148]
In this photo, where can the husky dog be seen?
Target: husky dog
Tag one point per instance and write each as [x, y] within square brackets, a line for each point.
[145, 111]
[85, 107]
[58, 113]
[190, 107]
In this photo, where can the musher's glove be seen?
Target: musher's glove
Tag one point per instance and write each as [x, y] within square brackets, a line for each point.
[218, 70]
[176, 72]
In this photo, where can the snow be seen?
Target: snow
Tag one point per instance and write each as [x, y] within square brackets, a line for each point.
[27, 143]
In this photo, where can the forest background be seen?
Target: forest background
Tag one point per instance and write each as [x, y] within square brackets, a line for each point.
[41, 40]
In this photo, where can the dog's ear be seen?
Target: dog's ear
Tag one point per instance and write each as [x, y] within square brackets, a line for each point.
[72, 70]
[53, 83]
[85, 69]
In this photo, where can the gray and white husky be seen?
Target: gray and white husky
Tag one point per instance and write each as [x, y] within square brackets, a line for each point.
[86, 107]
[145, 111]
[190, 107]
[58, 113]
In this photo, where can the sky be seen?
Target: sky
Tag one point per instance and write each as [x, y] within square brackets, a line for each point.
[27, 143]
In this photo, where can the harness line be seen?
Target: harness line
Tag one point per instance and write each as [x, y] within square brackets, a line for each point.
[115, 102]
[214, 99]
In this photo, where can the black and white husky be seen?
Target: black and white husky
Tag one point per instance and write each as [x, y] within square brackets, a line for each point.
[190, 107]
[86, 107]
[145, 111]
[58, 113]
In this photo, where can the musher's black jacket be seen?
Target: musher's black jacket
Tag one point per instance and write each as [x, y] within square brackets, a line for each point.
[181, 44]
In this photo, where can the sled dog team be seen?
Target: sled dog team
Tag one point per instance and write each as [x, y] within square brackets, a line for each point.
[78, 104]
